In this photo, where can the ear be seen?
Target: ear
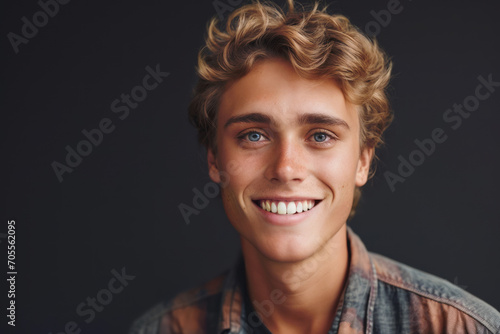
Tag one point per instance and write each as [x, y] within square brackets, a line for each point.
[213, 170]
[363, 168]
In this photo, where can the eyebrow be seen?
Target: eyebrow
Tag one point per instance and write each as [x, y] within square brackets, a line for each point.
[249, 118]
[309, 118]
[316, 118]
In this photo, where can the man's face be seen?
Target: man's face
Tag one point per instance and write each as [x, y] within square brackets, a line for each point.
[296, 143]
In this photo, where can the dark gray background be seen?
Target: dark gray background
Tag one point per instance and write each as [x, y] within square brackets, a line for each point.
[118, 208]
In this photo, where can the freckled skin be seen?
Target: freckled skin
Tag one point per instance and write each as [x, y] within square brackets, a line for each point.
[287, 160]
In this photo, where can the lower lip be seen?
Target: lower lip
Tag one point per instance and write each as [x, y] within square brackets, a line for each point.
[285, 220]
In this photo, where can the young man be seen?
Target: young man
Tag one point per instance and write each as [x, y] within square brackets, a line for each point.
[291, 107]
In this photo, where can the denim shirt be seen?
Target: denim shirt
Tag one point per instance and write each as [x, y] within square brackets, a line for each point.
[380, 296]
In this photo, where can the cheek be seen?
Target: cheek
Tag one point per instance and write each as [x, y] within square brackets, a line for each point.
[337, 169]
[338, 176]
[241, 168]
[240, 172]
[230, 202]
[338, 173]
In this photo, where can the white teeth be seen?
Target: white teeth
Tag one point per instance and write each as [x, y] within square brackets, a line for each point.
[299, 207]
[274, 208]
[289, 208]
[281, 208]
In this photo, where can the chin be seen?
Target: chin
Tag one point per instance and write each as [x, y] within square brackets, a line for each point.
[288, 249]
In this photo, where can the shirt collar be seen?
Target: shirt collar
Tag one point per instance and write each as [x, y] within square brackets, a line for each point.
[355, 312]
[360, 291]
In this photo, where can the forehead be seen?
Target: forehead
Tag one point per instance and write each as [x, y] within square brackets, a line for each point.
[273, 88]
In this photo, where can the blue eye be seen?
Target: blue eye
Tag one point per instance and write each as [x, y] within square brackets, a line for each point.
[253, 136]
[320, 137]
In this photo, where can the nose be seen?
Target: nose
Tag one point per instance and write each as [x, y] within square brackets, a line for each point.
[287, 162]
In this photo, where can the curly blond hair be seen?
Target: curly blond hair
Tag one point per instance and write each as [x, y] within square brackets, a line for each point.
[317, 44]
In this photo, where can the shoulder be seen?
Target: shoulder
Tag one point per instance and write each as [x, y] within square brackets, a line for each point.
[191, 310]
[432, 300]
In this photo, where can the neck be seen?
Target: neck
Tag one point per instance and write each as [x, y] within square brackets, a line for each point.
[300, 296]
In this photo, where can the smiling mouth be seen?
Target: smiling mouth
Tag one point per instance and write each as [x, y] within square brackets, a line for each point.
[286, 207]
